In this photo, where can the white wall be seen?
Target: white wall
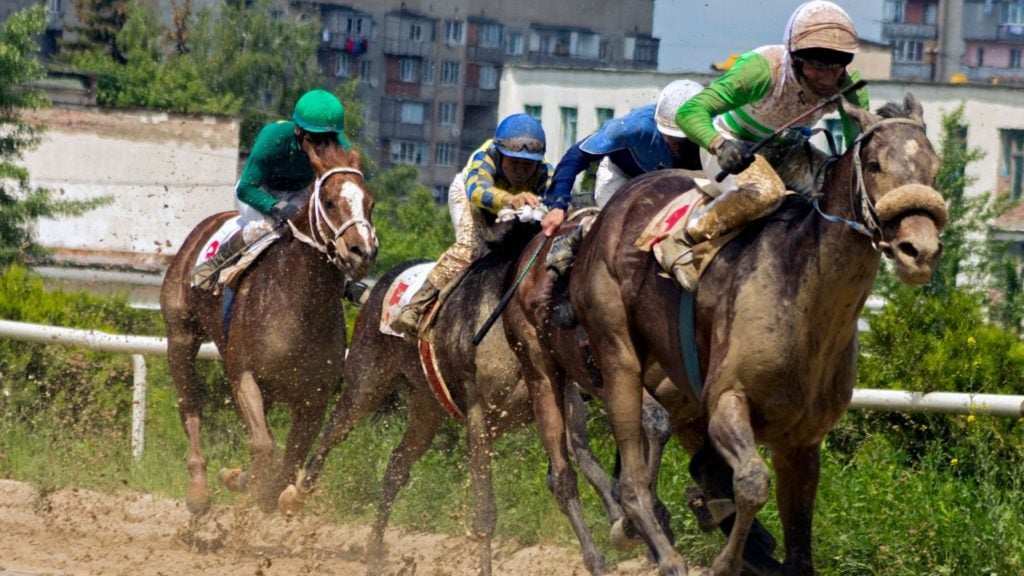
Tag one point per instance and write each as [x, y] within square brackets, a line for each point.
[165, 172]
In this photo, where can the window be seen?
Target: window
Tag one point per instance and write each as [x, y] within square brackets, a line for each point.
[908, 51]
[603, 115]
[415, 32]
[407, 68]
[428, 71]
[453, 32]
[448, 113]
[413, 112]
[1013, 13]
[441, 193]
[981, 56]
[444, 155]
[343, 66]
[407, 152]
[354, 26]
[568, 127]
[533, 112]
[514, 44]
[895, 11]
[490, 35]
[1014, 58]
[366, 70]
[488, 77]
[53, 9]
[451, 71]
[1012, 165]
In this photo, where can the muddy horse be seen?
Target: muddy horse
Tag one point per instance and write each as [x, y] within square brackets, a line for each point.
[775, 327]
[286, 341]
[486, 389]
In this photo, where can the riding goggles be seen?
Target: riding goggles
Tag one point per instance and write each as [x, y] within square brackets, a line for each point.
[819, 65]
[521, 145]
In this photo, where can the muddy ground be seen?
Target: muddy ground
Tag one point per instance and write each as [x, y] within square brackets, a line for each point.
[79, 532]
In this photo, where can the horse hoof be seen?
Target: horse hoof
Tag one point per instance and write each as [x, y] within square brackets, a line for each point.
[290, 501]
[232, 478]
[620, 540]
[197, 500]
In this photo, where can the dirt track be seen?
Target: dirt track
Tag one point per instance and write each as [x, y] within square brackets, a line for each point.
[79, 532]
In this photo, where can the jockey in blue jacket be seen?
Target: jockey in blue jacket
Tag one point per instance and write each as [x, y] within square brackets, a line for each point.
[644, 140]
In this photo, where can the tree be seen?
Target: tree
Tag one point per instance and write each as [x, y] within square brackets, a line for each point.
[100, 23]
[408, 221]
[21, 204]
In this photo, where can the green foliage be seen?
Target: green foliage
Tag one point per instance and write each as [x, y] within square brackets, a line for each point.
[100, 23]
[409, 223]
[21, 204]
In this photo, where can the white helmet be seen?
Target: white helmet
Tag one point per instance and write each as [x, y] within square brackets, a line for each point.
[669, 101]
[821, 24]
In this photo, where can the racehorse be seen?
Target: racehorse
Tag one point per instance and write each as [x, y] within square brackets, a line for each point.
[286, 341]
[775, 326]
[484, 383]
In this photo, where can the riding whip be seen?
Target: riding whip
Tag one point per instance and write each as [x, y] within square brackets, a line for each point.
[507, 296]
[824, 102]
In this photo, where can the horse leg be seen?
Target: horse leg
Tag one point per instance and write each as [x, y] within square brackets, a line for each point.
[798, 471]
[576, 424]
[485, 517]
[182, 348]
[425, 417]
[548, 398]
[732, 435]
[621, 371]
[307, 418]
[261, 444]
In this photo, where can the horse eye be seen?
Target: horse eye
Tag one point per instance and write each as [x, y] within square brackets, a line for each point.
[330, 203]
[874, 166]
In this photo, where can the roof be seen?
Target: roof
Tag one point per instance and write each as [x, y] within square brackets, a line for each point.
[1011, 221]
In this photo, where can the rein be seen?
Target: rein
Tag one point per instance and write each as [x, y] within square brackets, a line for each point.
[318, 216]
[871, 227]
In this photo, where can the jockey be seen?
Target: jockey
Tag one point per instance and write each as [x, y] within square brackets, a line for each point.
[644, 140]
[764, 89]
[275, 181]
[507, 171]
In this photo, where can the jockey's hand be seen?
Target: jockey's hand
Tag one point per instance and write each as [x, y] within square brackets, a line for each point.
[733, 155]
[517, 201]
[283, 211]
[552, 220]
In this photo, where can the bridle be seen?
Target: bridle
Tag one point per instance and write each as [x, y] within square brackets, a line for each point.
[871, 227]
[317, 216]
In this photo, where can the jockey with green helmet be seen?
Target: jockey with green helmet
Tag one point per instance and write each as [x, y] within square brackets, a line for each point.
[764, 89]
[276, 178]
[506, 171]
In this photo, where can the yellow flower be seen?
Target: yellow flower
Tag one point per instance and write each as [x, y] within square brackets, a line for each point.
[954, 462]
[971, 342]
[970, 418]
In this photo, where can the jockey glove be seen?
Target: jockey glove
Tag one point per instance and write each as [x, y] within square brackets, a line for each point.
[733, 156]
[283, 211]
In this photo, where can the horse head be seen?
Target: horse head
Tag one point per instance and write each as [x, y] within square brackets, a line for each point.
[894, 170]
[338, 216]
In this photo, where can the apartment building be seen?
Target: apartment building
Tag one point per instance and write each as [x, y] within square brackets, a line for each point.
[429, 70]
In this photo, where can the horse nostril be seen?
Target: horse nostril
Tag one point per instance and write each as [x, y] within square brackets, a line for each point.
[357, 250]
[909, 249]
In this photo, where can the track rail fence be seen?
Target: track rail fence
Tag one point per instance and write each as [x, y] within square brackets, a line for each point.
[139, 346]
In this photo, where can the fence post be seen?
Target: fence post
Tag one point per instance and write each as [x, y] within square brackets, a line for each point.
[138, 406]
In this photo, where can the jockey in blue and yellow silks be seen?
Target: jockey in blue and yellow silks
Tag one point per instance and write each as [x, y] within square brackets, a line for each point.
[507, 171]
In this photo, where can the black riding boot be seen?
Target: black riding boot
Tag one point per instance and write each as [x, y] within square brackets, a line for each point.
[563, 252]
[205, 274]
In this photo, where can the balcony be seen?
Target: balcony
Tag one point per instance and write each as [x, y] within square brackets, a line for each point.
[562, 61]
[905, 31]
[1010, 33]
[480, 97]
[486, 54]
[393, 47]
[400, 131]
[912, 71]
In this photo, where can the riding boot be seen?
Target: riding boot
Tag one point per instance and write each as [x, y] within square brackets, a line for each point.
[205, 275]
[408, 320]
[563, 252]
[356, 292]
[677, 259]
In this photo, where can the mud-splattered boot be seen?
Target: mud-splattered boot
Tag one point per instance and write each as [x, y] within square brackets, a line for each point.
[205, 275]
[408, 320]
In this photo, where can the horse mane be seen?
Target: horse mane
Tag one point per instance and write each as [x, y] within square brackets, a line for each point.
[326, 155]
[894, 110]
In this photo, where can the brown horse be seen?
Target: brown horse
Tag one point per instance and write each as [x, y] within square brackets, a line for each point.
[286, 341]
[776, 325]
[484, 382]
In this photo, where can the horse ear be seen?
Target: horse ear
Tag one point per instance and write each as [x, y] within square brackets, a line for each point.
[913, 108]
[863, 118]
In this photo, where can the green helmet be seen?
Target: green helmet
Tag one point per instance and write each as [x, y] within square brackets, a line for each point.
[320, 111]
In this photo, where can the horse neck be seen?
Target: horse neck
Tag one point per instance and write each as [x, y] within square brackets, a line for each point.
[309, 270]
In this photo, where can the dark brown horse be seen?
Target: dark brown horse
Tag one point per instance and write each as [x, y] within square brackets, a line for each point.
[485, 384]
[776, 326]
[286, 341]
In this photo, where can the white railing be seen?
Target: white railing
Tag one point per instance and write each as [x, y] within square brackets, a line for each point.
[863, 398]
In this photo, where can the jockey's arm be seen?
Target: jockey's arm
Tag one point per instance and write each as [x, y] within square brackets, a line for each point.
[749, 80]
[569, 167]
[480, 186]
[265, 150]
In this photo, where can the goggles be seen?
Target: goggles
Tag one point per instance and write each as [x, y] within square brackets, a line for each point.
[531, 145]
[819, 65]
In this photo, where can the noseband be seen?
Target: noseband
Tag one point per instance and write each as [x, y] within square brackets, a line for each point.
[317, 216]
[871, 227]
